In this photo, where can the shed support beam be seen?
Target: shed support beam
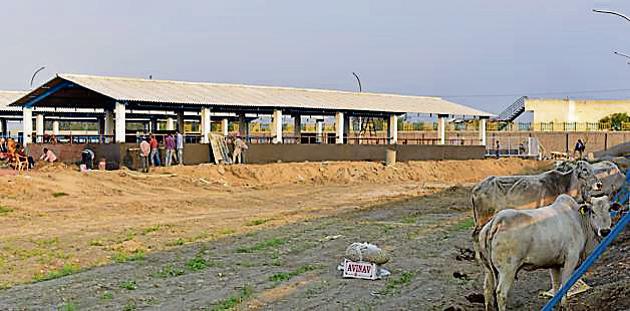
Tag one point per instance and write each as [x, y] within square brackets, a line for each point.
[319, 125]
[55, 129]
[225, 127]
[482, 131]
[153, 125]
[39, 128]
[243, 126]
[205, 125]
[121, 120]
[3, 127]
[180, 121]
[392, 129]
[276, 127]
[339, 127]
[442, 128]
[27, 126]
[297, 128]
[346, 128]
[170, 124]
[109, 124]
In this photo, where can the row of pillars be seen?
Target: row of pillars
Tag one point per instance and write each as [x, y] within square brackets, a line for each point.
[114, 125]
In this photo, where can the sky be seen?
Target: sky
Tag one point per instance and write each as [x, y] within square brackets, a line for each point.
[467, 51]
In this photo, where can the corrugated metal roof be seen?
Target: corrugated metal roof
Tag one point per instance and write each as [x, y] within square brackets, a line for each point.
[8, 97]
[196, 93]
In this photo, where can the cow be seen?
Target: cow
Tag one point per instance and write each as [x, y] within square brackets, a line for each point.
[606, 171]
[496, 193]
[556, 237]
[611, 177]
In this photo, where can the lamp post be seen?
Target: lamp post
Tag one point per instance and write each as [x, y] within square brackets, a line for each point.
[623, 55]
[612, 13]
[35, 74]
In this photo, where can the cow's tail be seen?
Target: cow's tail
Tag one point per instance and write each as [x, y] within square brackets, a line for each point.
[476, 229]
[485, 253]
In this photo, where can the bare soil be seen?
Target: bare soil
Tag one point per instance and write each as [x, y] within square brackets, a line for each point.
[258, 237]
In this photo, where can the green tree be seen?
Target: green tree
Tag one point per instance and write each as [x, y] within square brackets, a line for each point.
[615, 120]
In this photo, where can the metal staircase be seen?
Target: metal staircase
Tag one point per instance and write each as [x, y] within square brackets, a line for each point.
[513, 111]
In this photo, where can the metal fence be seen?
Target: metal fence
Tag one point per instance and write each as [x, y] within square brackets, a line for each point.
[473, 125]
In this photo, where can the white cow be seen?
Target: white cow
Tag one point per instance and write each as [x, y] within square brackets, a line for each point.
[556, 237]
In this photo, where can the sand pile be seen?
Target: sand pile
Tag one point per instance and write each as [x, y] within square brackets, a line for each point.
[354, 172]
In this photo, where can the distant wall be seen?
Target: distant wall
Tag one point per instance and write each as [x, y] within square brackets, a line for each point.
[265, 153]
[118, 155]
[71, 154]
[596, 142]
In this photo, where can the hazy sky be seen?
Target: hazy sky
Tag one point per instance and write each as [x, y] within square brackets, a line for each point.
[446, 47]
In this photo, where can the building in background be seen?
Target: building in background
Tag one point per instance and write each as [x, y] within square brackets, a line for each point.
[574, 110]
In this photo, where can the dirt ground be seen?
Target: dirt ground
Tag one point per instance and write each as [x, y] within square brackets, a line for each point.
[265, 237]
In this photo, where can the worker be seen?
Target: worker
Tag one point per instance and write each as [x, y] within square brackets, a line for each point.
[239, 147]
[579, 148]
[145, 150]
[155, 151]
[48, 156]
[179, 139]
[169, 145]
[87, 158]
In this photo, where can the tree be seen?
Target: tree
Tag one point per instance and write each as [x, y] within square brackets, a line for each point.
[616, 120]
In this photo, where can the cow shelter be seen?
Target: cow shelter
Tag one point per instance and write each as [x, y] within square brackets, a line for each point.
[293, 120]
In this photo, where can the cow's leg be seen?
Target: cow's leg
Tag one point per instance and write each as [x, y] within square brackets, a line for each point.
[555, 280]
[506, 276]
[569, 266]
[488, 290]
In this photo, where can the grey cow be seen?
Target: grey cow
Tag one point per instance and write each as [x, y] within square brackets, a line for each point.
[496, 193]
[556, 237]
[606, 171]
[611, 177]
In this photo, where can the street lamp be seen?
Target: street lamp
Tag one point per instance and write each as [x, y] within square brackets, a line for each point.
[35, 74]
[623, 55]
[613, 13]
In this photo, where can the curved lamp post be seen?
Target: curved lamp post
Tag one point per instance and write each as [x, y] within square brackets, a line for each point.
[623, 55]
[35, 74]
[613, 13]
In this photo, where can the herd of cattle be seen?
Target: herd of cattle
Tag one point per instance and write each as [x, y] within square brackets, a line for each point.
[548, 221]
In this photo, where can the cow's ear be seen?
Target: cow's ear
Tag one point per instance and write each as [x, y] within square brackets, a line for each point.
[584, 209]
[615, 206]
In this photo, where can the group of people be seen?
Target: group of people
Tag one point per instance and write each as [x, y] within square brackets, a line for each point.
[150, 151]
[15, 154]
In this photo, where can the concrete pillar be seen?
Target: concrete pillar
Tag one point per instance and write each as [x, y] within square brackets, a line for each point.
[276, 127]
[56, 127]
[319, 128]
[3, 128]
[153, 125]
[339, 127]
[243, 126]
[297, 128]
[482, 131]
[392, 129]
[205, 125]
[442, 128]
[39, 128]
[120, 125]
[170, 124]
[27, 126]
[225, 127]
[109, 123]
[180, 121]
[346, 128]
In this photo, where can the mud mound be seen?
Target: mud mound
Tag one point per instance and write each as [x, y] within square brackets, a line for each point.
[356, 172]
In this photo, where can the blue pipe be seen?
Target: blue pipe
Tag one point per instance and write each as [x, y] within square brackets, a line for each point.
[577, 274]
